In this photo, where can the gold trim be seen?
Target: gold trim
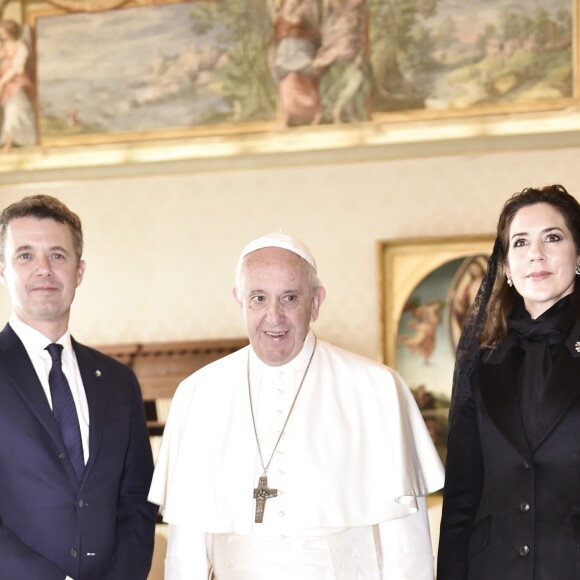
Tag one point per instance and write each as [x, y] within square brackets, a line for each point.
[396, 135]
[403, 264]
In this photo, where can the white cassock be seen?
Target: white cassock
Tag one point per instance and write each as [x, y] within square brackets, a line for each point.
[351, 470]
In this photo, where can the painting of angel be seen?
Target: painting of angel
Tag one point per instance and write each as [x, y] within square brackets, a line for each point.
[431, 322]
[16, 88]
[428, 332]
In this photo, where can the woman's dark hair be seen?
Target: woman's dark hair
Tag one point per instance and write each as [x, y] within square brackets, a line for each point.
[503, 296]
[486, 325]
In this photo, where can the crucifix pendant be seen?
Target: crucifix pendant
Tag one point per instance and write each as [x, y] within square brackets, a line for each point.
[261, 494]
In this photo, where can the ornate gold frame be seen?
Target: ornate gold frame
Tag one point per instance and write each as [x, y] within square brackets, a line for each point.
[413, 133]
[402, 266]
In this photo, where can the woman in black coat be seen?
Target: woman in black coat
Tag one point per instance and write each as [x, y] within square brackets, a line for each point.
[511, 508]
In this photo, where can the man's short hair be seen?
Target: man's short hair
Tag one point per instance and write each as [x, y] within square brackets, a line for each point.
[42, 207]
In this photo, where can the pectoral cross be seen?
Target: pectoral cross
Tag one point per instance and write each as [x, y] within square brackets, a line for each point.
[261, 494]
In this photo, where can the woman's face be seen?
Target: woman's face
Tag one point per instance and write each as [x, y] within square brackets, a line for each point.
[542, 257]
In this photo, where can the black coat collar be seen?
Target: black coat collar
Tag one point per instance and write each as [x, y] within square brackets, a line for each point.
[497, 378]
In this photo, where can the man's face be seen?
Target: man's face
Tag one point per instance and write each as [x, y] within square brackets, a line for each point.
[278, 303]
[41, 271]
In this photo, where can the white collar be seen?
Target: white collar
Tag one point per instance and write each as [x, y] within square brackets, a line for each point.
[35, 341]
[298, 362]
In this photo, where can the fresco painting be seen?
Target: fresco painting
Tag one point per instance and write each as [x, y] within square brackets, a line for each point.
[162, 68]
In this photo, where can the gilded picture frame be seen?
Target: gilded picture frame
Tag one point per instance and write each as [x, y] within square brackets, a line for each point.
[426, 288]
[161, 80]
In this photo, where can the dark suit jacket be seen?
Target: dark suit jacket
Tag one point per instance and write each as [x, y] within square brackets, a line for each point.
[51, 525]
[511, 511]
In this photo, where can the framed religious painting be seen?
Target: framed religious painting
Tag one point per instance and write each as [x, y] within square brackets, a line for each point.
[427, 288]
[168, 79]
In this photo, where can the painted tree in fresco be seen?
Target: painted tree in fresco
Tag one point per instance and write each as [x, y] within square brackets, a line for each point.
[394, 37]
[420, 61]
[243, 77]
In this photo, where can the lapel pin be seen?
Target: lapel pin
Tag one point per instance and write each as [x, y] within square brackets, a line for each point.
[98, 373]
[577, 346]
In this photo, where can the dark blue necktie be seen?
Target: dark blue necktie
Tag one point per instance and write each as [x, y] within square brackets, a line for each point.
[65, 412]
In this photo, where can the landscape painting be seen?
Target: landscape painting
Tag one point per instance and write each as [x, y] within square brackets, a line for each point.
[152, 68]
[163, 68]
[456, 54]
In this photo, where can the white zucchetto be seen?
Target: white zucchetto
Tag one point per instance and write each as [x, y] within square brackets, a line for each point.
[279, 240]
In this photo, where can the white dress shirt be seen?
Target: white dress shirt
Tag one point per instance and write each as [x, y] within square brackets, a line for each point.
[35, 344]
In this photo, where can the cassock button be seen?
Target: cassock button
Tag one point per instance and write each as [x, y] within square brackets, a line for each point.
[73, 552]
[81, 504]
[62, 455]
[524, 550]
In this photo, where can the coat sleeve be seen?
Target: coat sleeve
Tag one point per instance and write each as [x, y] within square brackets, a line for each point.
[16, 555]
[135, 531]
[461, 494]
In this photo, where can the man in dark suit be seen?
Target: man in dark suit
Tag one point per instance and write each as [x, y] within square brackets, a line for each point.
[75, 458]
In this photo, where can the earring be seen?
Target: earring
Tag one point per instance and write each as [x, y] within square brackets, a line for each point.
[510, 282]
[577, 269]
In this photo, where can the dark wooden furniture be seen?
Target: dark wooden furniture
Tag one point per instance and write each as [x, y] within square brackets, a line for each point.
[161, 366]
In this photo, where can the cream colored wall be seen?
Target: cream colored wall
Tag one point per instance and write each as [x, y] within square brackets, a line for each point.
[161, 251]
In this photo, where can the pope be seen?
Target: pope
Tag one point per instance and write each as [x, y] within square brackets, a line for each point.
[293, 458]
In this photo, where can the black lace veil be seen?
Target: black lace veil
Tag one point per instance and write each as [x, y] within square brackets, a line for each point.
[467, 355]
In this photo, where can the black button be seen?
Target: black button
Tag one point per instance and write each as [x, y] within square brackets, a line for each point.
[525, 464]
[81, 503]
[525, 507]
[62, 455]
[73, 552]
[524, 550]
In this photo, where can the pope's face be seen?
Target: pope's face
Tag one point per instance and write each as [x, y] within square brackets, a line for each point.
[542, 257]
[41, 271]
[278, 303]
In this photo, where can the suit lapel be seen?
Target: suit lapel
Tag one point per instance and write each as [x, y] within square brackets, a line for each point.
[498, 377]
[92, 377]
[18, 370]
[563, 388]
